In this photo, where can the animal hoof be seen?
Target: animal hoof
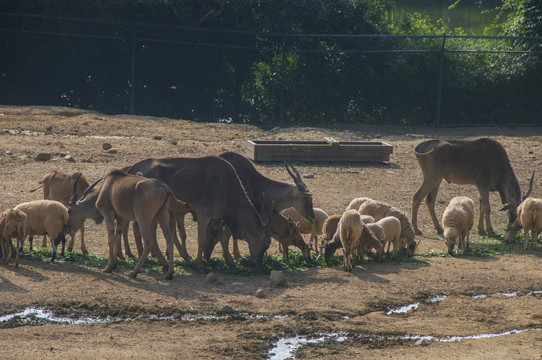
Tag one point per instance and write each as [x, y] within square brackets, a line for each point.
[417, 231]
[108, 270]
[85, 252]
[133, 275]
[169, 276]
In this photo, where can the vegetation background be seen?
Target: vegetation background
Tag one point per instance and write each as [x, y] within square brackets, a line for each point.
[267, 62]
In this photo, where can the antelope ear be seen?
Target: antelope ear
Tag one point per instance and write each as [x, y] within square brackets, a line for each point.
[506, 207]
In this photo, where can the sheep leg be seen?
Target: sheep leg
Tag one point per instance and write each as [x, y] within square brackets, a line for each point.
[20, 239]
[4, 245]
[534, 236]
[43, 242]
[427, 186]
[313, 243]
[526, 239]
[31, 241]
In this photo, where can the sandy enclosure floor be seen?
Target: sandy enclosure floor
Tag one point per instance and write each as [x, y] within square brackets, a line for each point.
[468, 307]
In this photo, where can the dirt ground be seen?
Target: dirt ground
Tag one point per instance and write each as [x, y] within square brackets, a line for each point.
[316, 303]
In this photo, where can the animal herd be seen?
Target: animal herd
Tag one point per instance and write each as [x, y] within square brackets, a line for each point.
[229, 197]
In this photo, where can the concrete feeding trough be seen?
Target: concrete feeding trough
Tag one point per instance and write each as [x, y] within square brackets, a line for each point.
[328, 150]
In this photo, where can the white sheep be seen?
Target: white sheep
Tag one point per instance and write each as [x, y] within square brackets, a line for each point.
[12, 224]
[379, 210]
[530, 218]
[350, 229]
[46, 217]
[457, 220]
[305, 226]
[356, 203]
[391, 229]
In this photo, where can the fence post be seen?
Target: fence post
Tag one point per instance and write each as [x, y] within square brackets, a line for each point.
[439, 90]
[282, 66]
[132, 81]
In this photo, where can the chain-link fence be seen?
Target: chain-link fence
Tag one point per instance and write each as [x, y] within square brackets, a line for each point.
[223, 75]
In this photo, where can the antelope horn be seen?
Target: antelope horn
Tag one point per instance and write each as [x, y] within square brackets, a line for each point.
[530, 187]
[85, 193]
[295, 175]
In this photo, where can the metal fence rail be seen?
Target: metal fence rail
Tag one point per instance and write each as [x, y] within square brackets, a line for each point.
[223, 75]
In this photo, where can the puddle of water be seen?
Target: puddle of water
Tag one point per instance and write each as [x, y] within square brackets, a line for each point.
[437, 298]
[23, 132]
[404, 309]
[407, 308]
[535, 293]
[511, 294]
[286, 348]
[468, 337]
[29, 314]
[478, 297]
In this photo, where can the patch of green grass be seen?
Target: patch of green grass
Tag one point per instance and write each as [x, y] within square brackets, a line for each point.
[483, 247]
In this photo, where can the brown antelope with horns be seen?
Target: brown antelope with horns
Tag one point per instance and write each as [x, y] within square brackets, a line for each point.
[210, 186]
[124, 198]
[481, 162]
[266, 193]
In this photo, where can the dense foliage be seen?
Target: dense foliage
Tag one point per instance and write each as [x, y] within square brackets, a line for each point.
[260, 62]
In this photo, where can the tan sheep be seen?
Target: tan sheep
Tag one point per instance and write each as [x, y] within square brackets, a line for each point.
[530, 218]
[350, 229]
[46, 217]
[356, 203]
[330, 227]
[12, 224]
[457, 219]
[379, 210]
[391, 229]
[367, 219]
[305, 226]
[370, 240]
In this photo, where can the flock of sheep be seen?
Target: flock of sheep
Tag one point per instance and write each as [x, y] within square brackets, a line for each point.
[366, 224]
